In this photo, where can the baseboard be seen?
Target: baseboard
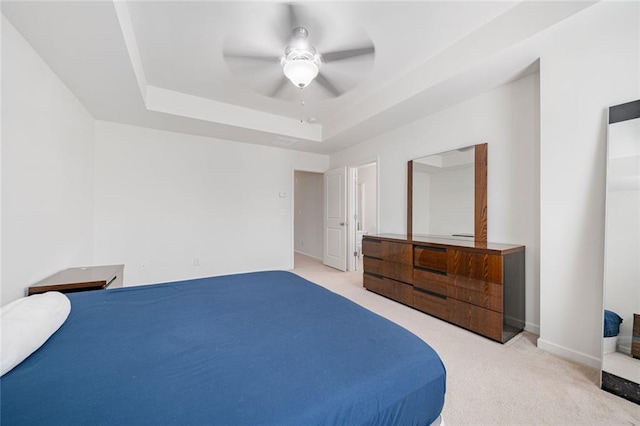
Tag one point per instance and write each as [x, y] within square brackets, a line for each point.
[307, 254]
[624, 349]
[532, 328]
[624, 344]
[576, 356]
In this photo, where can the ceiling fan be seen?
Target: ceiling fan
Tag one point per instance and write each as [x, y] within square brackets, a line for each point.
[300, 64]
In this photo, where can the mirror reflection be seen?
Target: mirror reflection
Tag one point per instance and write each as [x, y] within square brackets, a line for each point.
[443, 194]
[622, 251]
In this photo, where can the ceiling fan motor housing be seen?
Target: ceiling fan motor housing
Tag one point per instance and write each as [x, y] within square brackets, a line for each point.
[301, 62]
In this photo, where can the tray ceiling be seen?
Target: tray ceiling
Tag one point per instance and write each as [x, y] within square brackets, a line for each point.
[160, 64]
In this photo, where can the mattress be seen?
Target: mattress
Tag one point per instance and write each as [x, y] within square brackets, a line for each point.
[247, 349]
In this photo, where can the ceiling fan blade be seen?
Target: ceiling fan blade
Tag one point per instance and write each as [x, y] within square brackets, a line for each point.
[281, 85]
[252, 57]
[322, 81]
[346, 54]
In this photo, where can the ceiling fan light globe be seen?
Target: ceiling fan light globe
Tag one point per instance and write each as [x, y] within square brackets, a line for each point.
[300, 72]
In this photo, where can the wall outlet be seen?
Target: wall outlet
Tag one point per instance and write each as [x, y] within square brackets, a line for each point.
[283, 212]
[196, 261]
[144, 265]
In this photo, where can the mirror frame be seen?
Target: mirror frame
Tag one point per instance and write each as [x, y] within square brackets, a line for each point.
[480, 197]
[610, 382]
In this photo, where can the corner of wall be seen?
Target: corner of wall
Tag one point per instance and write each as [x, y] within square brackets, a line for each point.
[47, 170]
[568, 353]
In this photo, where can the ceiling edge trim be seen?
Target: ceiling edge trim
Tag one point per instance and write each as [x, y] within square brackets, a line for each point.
[184, 105]
[181, 104]
[122, 13]
[520, 23]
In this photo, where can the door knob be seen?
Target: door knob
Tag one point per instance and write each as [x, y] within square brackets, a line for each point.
[343, 223]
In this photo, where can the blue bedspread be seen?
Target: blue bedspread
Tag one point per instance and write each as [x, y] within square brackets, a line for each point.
[248, 349]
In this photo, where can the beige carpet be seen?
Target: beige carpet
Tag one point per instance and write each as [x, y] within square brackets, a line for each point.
[489, 383]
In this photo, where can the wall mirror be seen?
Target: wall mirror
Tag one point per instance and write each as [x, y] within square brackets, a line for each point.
[621, 340]
[447, 194]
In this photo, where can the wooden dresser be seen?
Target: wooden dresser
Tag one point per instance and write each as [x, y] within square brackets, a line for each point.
[477, 286]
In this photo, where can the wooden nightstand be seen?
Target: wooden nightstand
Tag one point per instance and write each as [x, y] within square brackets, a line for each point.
[80, 279]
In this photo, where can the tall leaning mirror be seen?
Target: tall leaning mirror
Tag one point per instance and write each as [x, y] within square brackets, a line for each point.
[621, 332]
[447, 194]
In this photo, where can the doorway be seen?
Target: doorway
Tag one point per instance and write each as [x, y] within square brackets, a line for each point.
[307, 218]
[363, 209]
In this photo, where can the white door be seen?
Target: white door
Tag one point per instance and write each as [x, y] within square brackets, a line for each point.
[335, 219]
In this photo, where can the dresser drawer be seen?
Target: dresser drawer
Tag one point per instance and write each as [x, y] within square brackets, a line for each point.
[430, 257]
[372, 248]
[372, 265]
[481, 266]
[397, 271]
[431, 281]
[397, 252]
[482, 321]
[431, 304]
[480, 293]
[395, 290]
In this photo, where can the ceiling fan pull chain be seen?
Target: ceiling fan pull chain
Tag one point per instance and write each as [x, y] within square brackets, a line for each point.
[301, 106]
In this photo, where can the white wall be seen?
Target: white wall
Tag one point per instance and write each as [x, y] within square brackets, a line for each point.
[164, 199]
[308, 213]
[420, 222]
[507, 119]
[159, 202]
[622, 266]
[47, 171]
[589, 62]
[452, 188]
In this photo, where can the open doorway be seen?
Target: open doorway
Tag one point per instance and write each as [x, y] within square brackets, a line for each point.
[363, 209]
[307, 218]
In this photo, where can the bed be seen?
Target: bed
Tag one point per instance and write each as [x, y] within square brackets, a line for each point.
[247, 349]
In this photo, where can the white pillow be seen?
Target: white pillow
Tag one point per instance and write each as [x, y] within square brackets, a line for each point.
[26, 323]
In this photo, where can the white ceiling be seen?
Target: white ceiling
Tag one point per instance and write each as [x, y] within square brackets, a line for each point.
[160, 64]
[181, 44]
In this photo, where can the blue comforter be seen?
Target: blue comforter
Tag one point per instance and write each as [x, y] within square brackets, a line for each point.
[248, 349]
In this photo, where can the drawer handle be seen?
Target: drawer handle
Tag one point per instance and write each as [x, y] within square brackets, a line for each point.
[430, 293]
[374, 275]
[433, 271]
[439, 249]
[110, 281]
